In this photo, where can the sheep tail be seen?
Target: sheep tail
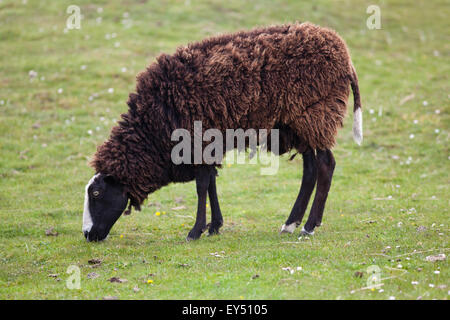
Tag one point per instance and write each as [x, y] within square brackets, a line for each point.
[357, 112]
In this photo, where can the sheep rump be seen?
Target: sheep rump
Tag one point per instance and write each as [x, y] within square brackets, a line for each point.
[292, 77]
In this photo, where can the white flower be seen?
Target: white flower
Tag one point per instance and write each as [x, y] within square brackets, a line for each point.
[411, 136]
[83, 67]
[437, 272]
[425, 103]
[437, 111]
[416, 121]
[391, 298]
[111, 90]
[414, 282]
[436, 130]
[60, 90]
[123, 69]
[99, 10]
[89, 132]
[32, 74]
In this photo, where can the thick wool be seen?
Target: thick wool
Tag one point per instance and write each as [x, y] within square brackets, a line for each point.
[292, 77]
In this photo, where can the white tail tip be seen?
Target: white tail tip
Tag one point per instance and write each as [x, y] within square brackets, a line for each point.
[357, 126]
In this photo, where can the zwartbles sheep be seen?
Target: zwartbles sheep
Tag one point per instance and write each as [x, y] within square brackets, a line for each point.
[294, 78]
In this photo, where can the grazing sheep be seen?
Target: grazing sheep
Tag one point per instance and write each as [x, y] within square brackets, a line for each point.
[293, 77]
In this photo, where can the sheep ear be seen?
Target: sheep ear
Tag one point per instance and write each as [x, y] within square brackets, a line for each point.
[132, 101]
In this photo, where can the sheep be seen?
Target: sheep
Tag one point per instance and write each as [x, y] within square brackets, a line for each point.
[293, 77]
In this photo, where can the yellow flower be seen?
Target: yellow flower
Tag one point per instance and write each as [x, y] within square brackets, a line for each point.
[149, 281]
[121, 236]
[157, 213]
[207, 205]
[342, 215]
[163, 212]
[182, 224]
[229, 165]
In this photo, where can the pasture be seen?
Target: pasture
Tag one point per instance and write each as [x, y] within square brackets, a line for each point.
[62, 90]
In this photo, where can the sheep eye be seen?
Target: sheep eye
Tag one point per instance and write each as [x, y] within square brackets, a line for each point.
[96, 193]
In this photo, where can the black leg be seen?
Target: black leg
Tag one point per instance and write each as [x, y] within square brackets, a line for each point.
[325, 166]
[308, 182]
[202, 179]
[216, 214]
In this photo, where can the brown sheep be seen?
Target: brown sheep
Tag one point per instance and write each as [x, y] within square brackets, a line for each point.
[294, 78]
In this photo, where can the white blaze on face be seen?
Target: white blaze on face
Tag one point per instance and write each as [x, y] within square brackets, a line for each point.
[87, 219]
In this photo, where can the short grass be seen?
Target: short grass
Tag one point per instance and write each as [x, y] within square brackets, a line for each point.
[388, 204]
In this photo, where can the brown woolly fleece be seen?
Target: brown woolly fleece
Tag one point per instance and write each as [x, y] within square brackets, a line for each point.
[292, 77]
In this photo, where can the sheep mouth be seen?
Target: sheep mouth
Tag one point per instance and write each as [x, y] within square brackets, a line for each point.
[93, 236]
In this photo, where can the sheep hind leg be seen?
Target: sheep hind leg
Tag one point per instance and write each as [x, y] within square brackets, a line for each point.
[308, 182]
[216, 214]
[202, 179]
[325, 168]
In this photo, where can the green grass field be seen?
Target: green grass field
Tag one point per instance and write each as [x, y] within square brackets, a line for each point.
[388, 204]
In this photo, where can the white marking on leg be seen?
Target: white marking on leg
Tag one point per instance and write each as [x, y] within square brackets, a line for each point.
[357, 126]
[306, 233]
[290, 228]
[87, 219]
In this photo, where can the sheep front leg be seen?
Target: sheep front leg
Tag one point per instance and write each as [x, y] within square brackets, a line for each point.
[308, 182]
[216, 214]
[325, 166]
[202, 179]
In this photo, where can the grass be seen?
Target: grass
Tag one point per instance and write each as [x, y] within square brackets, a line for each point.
[388, 204]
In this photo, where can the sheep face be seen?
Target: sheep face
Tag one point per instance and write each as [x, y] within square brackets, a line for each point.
[104, 202]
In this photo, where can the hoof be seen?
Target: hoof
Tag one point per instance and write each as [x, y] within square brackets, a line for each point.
[290, 228]
[194, 235]
[306, 233]
[212, 232]
[214, 228]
